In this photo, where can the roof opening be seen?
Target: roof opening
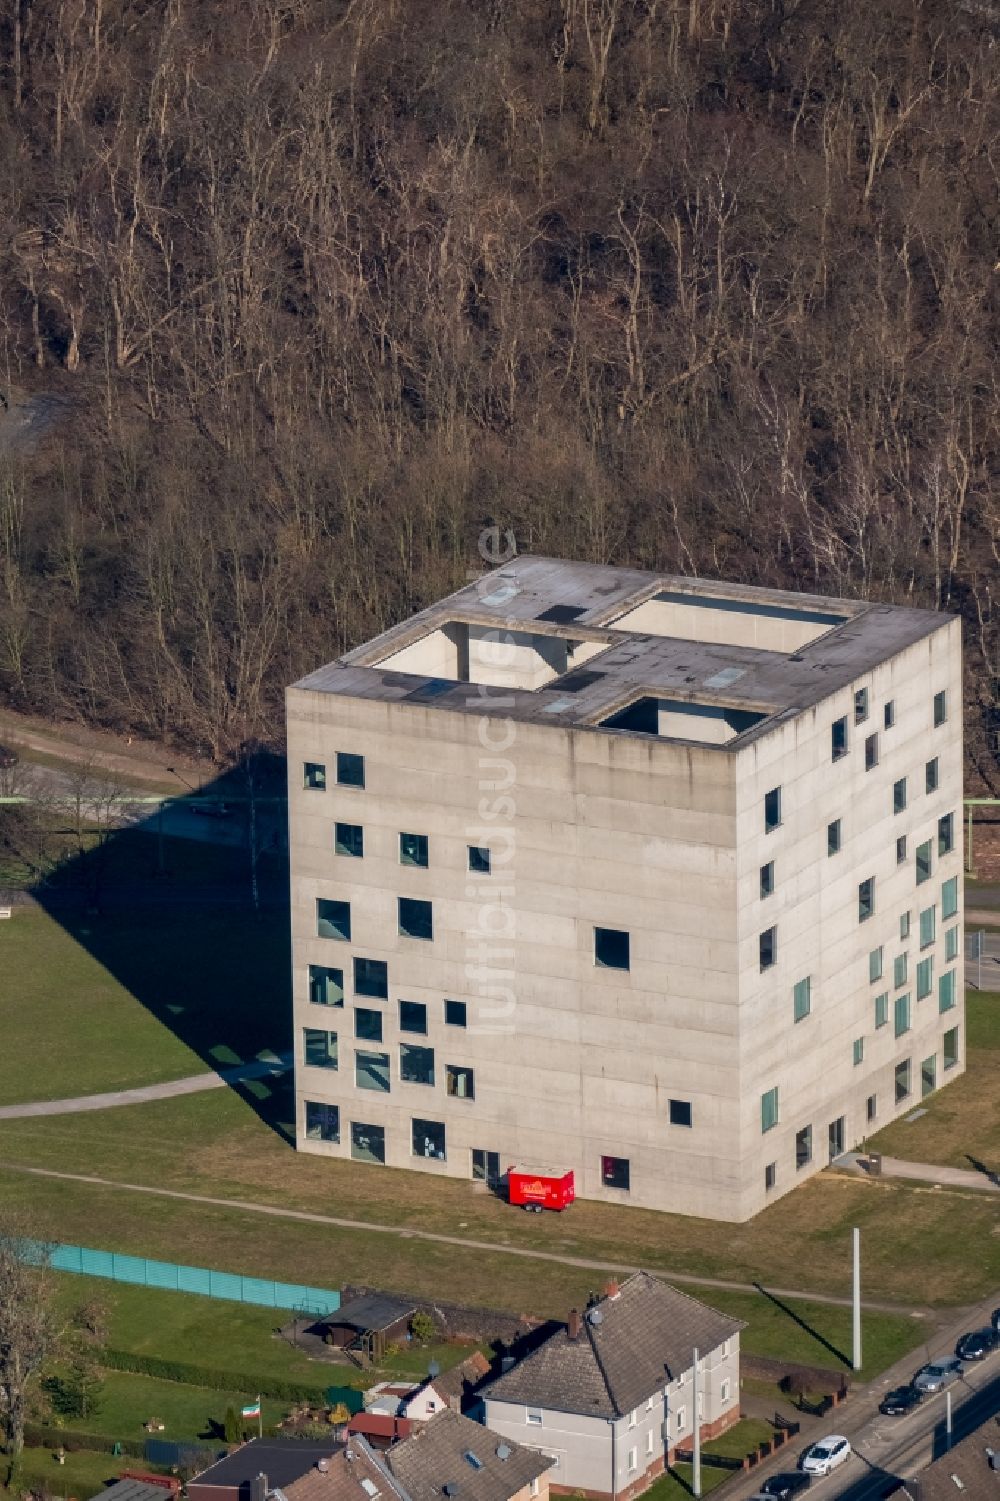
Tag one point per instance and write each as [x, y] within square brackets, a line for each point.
[683, 719]
[473, 1460]
[561, 614]
[725, 621]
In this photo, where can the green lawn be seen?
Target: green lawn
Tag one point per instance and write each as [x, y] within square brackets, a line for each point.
[676, 1484]
[128, 1401]
[83, 1475]
[742, 1439]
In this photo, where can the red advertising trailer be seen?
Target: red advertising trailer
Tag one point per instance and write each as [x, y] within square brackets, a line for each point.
[536, 1189]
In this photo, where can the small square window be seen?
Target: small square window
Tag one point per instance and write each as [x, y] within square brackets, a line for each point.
[904, 926]
[319, 1049]
[871, 1108]
[769, 1110]
[413, 849]
[413, 1017]
[946, 834]
[931, 777]
[615, 1172]
[875, 965]
[768, 947]
[801, 999]
[680, 1112]
[859, 1051]
[322, 1121]
[456, 1013]
[951, 944]
[772, 809]
[902, 1081]
[367, 1142]
[901, 1015]
[928, 1076]
[803, 1146]
[367, 1024]
[371, 1070]
[314, 776]
[899, 968]
[866, 899]
[901, 850]
[371, 978]
[838, 739]
[833, 837]
[928, 927]
[881, 1010]
[326, 986]
[416, 1064]
[427, 1139]
[479, 860]
[767, 879]
[416, 918]
[923, 862]
[770, 1176]
[611, 948]
[947, 991]
[899, 796]
[460, 1081]
[940, 708]
[349, 839]
[925, 977]
[333, 919]
[871, 752]
[889, 714]
[350, 770]
[532, 1415]
[950, 1045]
[861, 706]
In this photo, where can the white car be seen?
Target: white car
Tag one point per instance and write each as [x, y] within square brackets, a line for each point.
[826, 1455]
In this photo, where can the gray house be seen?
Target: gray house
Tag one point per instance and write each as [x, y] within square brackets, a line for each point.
[610, 1395]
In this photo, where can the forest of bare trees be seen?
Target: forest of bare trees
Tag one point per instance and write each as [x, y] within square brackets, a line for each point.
[327, 285]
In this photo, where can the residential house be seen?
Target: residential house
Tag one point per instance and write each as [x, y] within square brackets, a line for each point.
[250, 1472]
[453, 1456]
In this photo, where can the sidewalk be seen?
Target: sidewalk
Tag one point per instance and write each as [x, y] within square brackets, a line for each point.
[925, 1172]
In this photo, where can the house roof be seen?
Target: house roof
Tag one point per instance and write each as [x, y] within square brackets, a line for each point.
[132, 1490]
[282, 1460]
[380, 1425]
[964, 1473]
[355, 1473]
[453, 1451]
[462, 1378]
[628, 1346]
[372, 1312]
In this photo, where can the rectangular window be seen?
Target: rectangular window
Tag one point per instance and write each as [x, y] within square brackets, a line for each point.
[322, 1121]
[928, 927]
[413, 1017]
[314, 776]
[949, 897]
[904, 926]
[923, 862]
[871, 752]
[947, 990]
[349, 839]
[319, 1049]
[480, 860]
[350, 770]
[615, 1172]
[769, 1110]
[532, 1415]
[899, 970]
[371, 978]
[326, 986]
[871, 1108]
[633, 1461]
[940, 708]
[367, 1142]
[951, 944]
[838, 739]
[427, 1139]
[875, 965]
[367, 1025]
[889, 714]
[931, 775]
[768, 948]
[680, 1112]
[650, 1444]
[833, 838]
[416, 1064]
[803, 1146]
[611, 948]
[946, 834]
[456, 1014]
[899, 796]
[724, 1390]
[459, 1081]
[371, 1070]
[485, 1166]
[902, 1081]
[767, 879]
[925, 978]
[928, 1076]
[950, 1045]
[416, 918]
[772, 809]
[859, 1051]
[770, 1176]
[901, 850]
[901, 1015]
[881, 1010]
[866, 899]
[680, 1420]
[333, 919]
[413, 849]
[801, 998]
[633, 1418]
[861, 706]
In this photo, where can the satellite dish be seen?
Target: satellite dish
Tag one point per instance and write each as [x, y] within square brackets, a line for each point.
[503, 1451]
[595, 1316]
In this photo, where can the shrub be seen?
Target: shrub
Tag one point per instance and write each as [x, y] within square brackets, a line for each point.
[206, 1376]
[422, 1327]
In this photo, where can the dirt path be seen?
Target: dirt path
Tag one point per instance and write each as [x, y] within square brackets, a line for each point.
[139, 760]
[168, 1090]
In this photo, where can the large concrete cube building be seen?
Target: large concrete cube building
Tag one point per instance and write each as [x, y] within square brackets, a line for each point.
[658, 879]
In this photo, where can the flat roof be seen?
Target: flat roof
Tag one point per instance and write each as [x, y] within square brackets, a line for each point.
[282, 1460]
[581, 602]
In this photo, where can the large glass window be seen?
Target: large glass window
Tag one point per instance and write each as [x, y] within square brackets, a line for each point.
[611, 948]
[949, 897]
[349, 839]
[871, 752]
[769, 1109]
[803, 1146]
[460, 1081]
[946, 834]
[413, 849]
[768, 948]
[928, 927]
[350, 769]
[371, 1070]
[931, 775]
[881, 1010]
[940, 708]
[834, 837]
[615, 1172]
[456, 1014]
[322, 1121]
[367, 1142]
[333, 919]
[899, 969]
[319, 1049]
[371, 978]
[416, 1064]
[859, 1051]
[951, 944]
[772, 809]
[928, 1076]
[801, 998]
[412, 1016]
[950, 1046]
[866, 899]
[901, 1014]
[925, 977]
[947, 990]
[899, 796]
[770, 1176]
[326, 986]
[367, 1024]
[901, 850]
[428, 1139]
[889, 713]
[904, 926]
[416, 918]
[767, 880]
[871, 1108]
[314, 776]
[838, 739]
[923, 862]
[861, 706]
[902, 1081]
[875, 965]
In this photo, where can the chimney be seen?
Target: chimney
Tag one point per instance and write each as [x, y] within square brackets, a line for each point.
[322, 1466]
[611, 1289]
[573, 1323]
[259, 1487]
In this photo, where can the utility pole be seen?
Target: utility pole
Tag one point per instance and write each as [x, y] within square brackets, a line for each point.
[857, 1299]
[696, 1447]
[947, 1418]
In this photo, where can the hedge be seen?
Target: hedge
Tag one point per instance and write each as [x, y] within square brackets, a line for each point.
[222, 1381]
[38, 1436]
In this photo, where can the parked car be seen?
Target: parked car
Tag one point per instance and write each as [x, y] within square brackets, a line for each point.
[8, 758]
[902, 1399]
[939, 1374]
[978, 1344]
[995, 1318]
[781, 1487]
[826, 1455]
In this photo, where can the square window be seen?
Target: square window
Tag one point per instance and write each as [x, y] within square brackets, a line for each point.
[416, 1064]
[889, 714]
[947, 991]
[772, 809]
[951, 944]
[416, 918]
[371, 1070]
[413, 849]
[940, 708]
[532, 1415]
[350, 770]
[838, 739]
[875, 965]
[928, 1076]
[349, 839]
[925, 978]
[769, 1110]
[427, 1139]
[901, 850]
[322, 1121]
[928, 927]
[803, 1146]
[479, 860]
[833, 837]
[680, 1112]
[899, 969]
[866, 899]
[319, 1049]
[923, 862]
[314, 776]
[333, 919]
[611, 948]
[871, 1108]
[367, 1025]
[770, 1176]
[871, 752]
[946, 834]
[367, 1142]
[901, 1015]
[460, 1081]
[768, 947]
[413, 1017]
[899, 796]
[615, 1172]
[861, 706]
[801, 999]
[904, 926]
[950, 1043]
[456, 1013]
[949, 897]
[326, 986]
[371, 978]
[767, 879]
[902, 1081]
[859, 1051]
[931, 777]
[881, 1010]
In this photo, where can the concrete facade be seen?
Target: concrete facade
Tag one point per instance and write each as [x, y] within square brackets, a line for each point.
[477, 727]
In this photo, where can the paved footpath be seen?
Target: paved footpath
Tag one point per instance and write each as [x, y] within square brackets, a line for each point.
[170, 1089]
[982, 1181]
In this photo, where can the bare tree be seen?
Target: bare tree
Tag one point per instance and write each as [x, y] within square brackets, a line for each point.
[27, 1331]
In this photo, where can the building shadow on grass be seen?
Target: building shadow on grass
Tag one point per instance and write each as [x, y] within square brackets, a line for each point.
[185, 903]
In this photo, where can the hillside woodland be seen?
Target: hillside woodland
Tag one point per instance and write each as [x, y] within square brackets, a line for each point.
[319, 288]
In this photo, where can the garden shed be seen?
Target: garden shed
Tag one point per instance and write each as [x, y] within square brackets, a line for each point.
[369, 1323]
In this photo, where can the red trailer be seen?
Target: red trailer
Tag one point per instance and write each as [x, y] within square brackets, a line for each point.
[536, 1189]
